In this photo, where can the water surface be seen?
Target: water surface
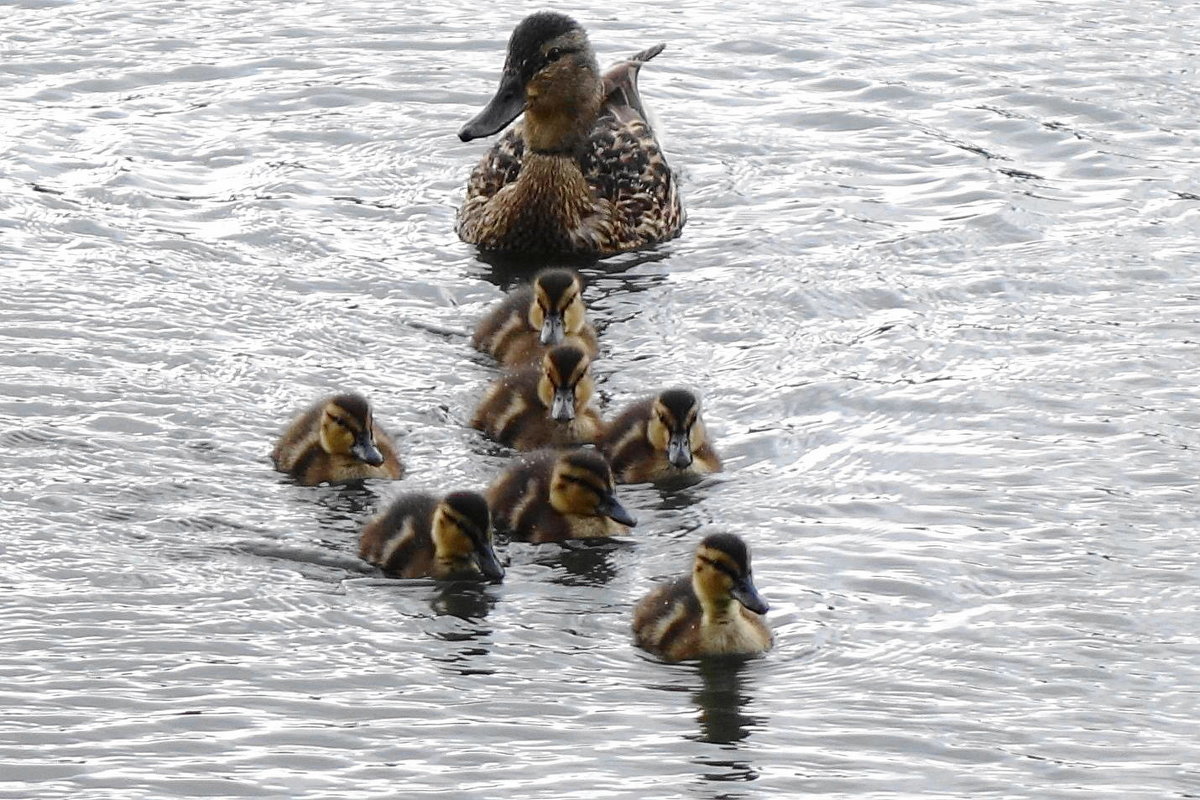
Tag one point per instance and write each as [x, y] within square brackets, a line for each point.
[940, 290]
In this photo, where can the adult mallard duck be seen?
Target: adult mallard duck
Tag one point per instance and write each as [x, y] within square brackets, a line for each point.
[582, 173]
[660, 438]
[554, 495]
[714, 611]
[548, 311]
[334, 441]
[420, 536]
[542, 405]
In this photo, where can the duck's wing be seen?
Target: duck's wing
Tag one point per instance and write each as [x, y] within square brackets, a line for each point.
[625, 165]
[621, 96]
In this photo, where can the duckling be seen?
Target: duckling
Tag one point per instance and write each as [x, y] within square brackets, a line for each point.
[546, 313]
[717, 611]
[420, 536]
[334, 441]
[660, 438]
[542, 405]
[583, 172]
[554, 495]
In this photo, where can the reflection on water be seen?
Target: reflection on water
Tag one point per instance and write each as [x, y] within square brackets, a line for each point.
[467, 600]
[583, 562]
[721, 701]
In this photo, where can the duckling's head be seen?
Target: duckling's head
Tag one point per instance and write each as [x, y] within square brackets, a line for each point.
[565, 386]
[557, 308]
[675, 426]
[346, 429]
[462, 536]
[551, 74]
[721, 573]
[582, 484]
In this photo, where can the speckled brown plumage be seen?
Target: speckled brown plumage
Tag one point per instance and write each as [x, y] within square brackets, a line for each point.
[606, 192]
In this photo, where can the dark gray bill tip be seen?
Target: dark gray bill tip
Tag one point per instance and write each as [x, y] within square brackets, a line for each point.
[612, 508]
[489, 564]
[746, 594]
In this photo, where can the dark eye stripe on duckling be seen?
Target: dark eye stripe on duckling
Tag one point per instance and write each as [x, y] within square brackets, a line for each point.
[722, 566]
[588, 483]
[566, 365]
[681, 405]
[355, 406]
[557, 286]
[730, 546]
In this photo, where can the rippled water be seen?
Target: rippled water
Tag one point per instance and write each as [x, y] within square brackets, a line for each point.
[940, 288]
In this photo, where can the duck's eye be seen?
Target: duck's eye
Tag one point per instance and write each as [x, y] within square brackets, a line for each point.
[555, 54]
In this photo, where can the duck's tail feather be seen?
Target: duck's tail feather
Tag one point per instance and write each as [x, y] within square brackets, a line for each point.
[620, 84]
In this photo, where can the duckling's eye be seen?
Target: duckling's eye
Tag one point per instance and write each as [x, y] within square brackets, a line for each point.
[554, 54]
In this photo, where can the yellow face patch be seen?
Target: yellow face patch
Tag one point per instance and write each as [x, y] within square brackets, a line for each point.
[338, 431]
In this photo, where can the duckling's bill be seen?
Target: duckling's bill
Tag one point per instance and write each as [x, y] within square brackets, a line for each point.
[679, 449]
[364, 449]
[487, 562]
[609, 506]
[744, 592]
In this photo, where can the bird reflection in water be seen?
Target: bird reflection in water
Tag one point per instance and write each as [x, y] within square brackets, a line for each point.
[583, 562]
[470, 601]
[507, 270]
[721, 700]
[463, 605]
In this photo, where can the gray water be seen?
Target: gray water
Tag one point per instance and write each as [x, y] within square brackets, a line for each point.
[940, 290]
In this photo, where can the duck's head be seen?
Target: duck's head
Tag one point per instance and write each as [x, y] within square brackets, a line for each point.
[557, 308]
[675, 426]
[565, 387]
[582, 484]
[462, 536]
[346, 429]
[551, 74]
[721, 573]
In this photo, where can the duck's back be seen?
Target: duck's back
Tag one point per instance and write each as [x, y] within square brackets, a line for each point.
[667, 621]
[300, 436]
[400, 540]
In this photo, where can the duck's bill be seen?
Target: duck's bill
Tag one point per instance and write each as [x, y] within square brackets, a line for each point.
[745, 593]
[505, 106]
[563, 408]
[488, 563]
[611, 507]
[364, 450]
[553, 330]
[679, 450]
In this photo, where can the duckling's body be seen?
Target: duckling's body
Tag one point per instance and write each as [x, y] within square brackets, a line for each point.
[542, 405]
[420, 536]
[334, 441]
[582, 172]
[552, 496]
[714, 611]
[547, 312]
[660, 438]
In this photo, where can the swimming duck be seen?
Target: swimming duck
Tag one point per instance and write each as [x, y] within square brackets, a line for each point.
[715, 611]
[582, 173]
[660, 438]
[547, 312]
[334, 441]
[554, 495]
[420, 535]
[542, 405]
